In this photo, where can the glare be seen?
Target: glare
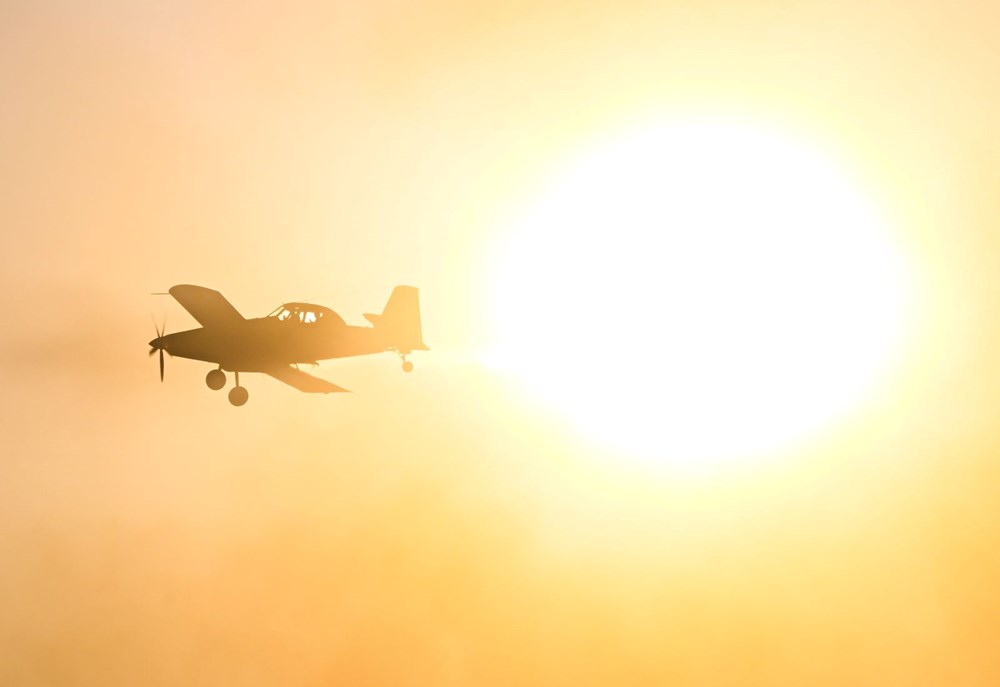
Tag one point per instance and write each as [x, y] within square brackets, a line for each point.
[701, 293]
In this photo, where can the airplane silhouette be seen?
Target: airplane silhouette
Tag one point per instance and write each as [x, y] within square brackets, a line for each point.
[294, 333]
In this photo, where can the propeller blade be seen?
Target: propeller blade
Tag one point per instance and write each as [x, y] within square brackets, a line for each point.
[160, 329]
[160, 333]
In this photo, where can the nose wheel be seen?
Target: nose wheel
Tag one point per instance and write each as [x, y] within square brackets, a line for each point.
[238, 395]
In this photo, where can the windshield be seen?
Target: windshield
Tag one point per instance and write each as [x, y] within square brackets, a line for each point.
[295, 313]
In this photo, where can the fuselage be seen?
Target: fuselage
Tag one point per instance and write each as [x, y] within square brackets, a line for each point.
[256, 345]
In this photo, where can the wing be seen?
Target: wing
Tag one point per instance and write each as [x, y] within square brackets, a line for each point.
[209, 307]
[302, 381]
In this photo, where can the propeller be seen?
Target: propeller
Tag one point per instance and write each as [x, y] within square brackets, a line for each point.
[157, 344]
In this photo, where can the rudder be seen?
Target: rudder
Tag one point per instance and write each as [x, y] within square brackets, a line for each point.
[400, 320]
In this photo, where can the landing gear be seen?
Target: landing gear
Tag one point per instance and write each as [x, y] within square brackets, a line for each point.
[407, 364]
[238, 395]
[216, 379]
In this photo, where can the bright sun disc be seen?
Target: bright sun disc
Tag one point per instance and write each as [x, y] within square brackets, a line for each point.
[700, 293]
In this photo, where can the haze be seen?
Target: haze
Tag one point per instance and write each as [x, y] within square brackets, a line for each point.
[447, 527]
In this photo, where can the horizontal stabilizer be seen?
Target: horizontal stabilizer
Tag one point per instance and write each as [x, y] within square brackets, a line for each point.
[303, 381]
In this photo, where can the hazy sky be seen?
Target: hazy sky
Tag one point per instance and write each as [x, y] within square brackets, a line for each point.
[443, 528]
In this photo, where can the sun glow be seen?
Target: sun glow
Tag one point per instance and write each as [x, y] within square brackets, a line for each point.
[701, 293]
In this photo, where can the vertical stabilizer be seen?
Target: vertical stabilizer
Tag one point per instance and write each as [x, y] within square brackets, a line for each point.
[400, 320]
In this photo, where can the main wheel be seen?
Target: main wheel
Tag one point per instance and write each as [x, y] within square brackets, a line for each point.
[216, 379]
[407, 366]
[238, 395]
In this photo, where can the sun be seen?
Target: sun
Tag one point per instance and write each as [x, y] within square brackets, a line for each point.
[700, 293]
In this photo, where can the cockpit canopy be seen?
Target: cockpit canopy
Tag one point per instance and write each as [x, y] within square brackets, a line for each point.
[306, 313]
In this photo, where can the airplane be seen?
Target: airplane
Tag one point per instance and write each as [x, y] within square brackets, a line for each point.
[292, 334]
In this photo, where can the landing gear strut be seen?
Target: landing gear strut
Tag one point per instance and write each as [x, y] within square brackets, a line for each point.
[216, 379]
[238, 395]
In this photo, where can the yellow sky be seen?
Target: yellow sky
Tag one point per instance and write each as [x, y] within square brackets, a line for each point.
[444, 528]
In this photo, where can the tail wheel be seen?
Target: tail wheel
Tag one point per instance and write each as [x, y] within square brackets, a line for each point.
[407, 366]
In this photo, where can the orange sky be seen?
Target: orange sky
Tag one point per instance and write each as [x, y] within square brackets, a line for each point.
[442, 528]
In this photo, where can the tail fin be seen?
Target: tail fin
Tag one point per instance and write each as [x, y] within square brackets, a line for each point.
[400, 321]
